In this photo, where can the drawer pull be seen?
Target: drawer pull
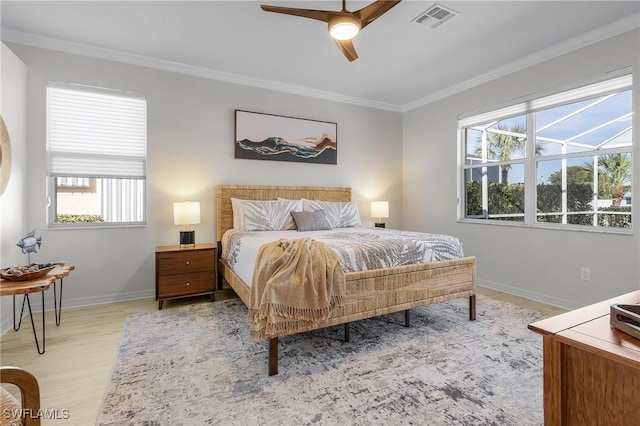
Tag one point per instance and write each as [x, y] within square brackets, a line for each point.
[186, 263]
[188, 284]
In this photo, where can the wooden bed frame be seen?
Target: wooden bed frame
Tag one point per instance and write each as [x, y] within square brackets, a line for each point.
[369, 293]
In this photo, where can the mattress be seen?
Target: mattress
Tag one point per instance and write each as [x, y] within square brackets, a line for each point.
[357, 248]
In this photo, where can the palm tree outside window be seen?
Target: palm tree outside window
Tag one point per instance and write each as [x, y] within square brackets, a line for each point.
[581, 159]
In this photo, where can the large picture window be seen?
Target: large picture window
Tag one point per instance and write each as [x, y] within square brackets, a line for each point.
[97, 148]
[561, 160]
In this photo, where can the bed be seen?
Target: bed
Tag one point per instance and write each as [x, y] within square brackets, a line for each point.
[369, 293]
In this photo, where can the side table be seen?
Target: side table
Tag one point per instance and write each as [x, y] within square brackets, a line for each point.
[183, 272]
[15, 288]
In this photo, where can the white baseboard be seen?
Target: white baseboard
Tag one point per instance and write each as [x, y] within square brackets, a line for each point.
[528, 294]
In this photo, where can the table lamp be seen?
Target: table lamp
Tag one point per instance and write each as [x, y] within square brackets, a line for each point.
[380, 209]
[186, 213]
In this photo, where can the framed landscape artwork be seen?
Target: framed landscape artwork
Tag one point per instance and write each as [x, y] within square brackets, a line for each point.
[262, 136]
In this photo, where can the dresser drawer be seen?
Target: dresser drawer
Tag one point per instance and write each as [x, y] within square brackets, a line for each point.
[186, 284]
[186, 262]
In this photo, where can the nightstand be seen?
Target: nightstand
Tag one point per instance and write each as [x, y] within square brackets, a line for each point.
[184, 272]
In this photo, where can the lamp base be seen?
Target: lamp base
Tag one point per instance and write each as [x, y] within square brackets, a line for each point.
[187, 238]
[380, 225]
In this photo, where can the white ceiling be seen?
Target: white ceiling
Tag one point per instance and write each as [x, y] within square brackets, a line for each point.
[401, 64]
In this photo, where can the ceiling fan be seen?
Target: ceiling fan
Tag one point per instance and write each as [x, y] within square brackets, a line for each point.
[343, 25]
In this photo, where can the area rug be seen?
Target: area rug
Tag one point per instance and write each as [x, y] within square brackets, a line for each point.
[196, 365]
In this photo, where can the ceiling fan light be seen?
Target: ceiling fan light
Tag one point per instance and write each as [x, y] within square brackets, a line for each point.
[344, 27]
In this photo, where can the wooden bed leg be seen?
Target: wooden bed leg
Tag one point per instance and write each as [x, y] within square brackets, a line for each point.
[273, 356]
[220, 282]
[407, 318]
[219, 269]
[347, 336]
[472, 307]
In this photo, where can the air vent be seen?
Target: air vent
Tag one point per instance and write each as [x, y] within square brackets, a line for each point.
[435, 16]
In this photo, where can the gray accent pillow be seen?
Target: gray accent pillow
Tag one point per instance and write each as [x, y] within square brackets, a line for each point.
[311, 221]
[339, 214]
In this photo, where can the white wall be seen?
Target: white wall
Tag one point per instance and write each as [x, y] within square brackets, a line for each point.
[540, 264]
[190, 151]
[408, 159]
[13, 202]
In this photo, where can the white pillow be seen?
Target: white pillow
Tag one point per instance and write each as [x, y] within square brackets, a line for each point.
[339, 214]
[238, 212]
[264, 215]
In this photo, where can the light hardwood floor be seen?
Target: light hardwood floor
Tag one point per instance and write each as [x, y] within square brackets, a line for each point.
[74, 371]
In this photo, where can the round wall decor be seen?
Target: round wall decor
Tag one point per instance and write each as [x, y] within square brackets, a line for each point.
[5, 157]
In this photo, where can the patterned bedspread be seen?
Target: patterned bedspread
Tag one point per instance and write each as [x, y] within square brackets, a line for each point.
[358, 249]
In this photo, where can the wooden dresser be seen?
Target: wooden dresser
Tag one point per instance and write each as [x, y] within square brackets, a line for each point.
[591, 370]
[183, 272]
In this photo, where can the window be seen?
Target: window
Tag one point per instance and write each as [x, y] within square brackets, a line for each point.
[562, 160]
[97, 148]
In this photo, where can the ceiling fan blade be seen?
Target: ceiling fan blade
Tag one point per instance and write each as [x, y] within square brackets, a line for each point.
[318, 15]
[370, 13]
[347, 48]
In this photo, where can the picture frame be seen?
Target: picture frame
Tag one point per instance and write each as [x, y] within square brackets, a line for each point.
[262, 136]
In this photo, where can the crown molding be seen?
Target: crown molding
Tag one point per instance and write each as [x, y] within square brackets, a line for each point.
[615, 28]
[618, 27]
[49, 43]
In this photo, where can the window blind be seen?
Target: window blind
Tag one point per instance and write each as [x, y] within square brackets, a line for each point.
[93, 132]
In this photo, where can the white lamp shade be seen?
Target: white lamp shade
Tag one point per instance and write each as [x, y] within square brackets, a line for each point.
[186, 213]
[379, 209]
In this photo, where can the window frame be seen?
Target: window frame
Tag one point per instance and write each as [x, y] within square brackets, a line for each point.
[613, 82]
[53, 189]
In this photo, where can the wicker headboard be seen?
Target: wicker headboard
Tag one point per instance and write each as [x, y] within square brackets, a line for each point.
[224, 212]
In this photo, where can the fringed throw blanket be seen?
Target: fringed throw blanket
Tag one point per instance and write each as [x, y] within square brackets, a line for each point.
[296, 283]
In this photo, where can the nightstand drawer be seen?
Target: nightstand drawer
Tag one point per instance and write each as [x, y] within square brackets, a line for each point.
[184, 284]
[186, 262]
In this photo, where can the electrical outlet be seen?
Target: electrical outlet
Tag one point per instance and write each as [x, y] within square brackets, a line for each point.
[585, 274]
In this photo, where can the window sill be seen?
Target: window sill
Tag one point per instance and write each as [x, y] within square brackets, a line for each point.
[578, 228]
[71, 226]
